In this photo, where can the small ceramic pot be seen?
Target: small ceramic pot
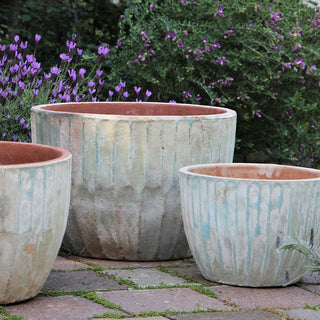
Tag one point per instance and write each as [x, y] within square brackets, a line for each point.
[35, 183]
[236, 216]
[125, 200]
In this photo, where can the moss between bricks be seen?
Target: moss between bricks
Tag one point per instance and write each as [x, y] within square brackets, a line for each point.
[6, 316]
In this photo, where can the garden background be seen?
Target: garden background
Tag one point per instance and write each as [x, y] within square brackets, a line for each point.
[259, 58]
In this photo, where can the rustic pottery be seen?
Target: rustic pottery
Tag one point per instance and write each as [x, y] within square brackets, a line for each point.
[34, 203]
[236, 216]
[125, 201]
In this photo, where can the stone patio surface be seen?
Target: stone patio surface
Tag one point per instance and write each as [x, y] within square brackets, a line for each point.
[80, 288]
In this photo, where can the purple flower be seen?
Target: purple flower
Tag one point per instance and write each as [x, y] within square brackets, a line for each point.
[82, 72]
[126, 94]
[110, 93]
[36, 65]
[220, 12]
[16, 38]
[65, 57]
[148, 93]
[30, 58]
[91, 84]
[151, 6]
[55, 70]
[118, 88]
[102, 50]
[137, 90]
[172, 101]
[297, 47]
[119, 43]
[180, 44]
[47, 76]
[79, 51]
[13, 47]
[35, 91]
[99, 73]
[4, 94]
[14, 69]
[122, 84]
[64, 97]
[92, 91]
[258, 113]
[72, 74]
[71, 45]
[75, 90]
[14, 138]
[21, 85]
[299, 61]
[22, 121]
[24, 45]
[37, 38]
[101, 82]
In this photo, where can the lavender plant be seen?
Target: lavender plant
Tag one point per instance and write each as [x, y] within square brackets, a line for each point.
[258, 57]
[23, 83]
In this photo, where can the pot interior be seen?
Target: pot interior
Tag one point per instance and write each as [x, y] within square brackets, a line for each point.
[25, 153]
[257, 172]
[136, 109]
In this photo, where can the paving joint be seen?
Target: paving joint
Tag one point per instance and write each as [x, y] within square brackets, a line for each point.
[87, 289]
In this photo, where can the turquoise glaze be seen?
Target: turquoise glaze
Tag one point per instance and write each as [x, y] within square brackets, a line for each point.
[125, 200]
[235, 224]
[34, 206]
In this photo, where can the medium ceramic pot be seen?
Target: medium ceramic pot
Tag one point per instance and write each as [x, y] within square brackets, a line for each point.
[125, 200]
[236, 216]
[35, 185]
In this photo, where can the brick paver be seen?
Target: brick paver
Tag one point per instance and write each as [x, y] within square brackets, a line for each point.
[250, 298]
[130, 264]
[57, 308]
[143, 277]
[177, 299]
[237, 303]
[234, 315]
[80, 280]
[67, 264]
[305, 314]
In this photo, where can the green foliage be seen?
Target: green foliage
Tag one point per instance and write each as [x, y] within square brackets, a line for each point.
[24, 84]
[259, 58]
[6, 316]
[307, 250]
[94, 21]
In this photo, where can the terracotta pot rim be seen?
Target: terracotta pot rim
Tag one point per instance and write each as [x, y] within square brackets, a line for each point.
[309, 174]
[56, 155]
[222, 112]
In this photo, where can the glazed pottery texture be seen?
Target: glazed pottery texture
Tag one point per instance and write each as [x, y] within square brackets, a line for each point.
[125, 201]
[237, 216]
[35, 186]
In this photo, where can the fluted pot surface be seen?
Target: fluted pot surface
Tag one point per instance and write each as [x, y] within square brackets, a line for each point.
[35, 183]
[237, 216]
[125, 193]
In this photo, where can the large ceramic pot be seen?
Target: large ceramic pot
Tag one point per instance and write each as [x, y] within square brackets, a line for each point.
[125, 200]
[236, 216]
[34, 204]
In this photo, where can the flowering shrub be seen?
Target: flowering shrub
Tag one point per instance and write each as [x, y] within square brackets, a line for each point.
[94, 21]
[260, 58]
[23, 83]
